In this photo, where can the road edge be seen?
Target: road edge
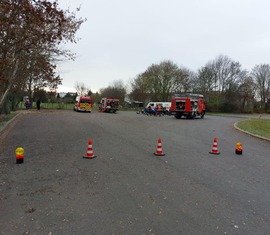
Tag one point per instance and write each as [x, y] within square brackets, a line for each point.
[8, 123]
[249, 133]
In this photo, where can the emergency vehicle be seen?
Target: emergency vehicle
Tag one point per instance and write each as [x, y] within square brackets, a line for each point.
[188, 105]
[109, 105]
[83, 104]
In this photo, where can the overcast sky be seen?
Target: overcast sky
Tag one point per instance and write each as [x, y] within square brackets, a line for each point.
[121, 38]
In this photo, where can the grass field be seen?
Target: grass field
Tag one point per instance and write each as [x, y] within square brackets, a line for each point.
[256, 126]
[59, 105]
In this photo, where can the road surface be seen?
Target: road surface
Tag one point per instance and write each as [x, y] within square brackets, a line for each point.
[126, 189]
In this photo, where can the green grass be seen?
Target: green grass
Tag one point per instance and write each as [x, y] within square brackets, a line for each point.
[56, 106]
[68, 106]
[5, 118]
[256, 126]
[59, 105]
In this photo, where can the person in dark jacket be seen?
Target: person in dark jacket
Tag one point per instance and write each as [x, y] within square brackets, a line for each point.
[38, 104]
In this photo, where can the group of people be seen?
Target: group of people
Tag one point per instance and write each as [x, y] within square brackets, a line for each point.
[28, 103]
[157, 110]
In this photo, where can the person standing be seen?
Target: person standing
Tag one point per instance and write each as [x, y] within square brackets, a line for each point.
[38, 104]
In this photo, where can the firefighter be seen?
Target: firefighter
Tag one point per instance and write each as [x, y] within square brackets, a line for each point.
[27, 104]
[159, 109]
[149, 110]
[38, 104]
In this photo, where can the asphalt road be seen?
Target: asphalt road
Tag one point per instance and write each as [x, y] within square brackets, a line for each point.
[126, 189]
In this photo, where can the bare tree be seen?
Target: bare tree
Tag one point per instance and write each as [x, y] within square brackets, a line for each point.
[186, 80]
[139, 90]
[261, 75]
[162, 80]
[116, 90]
[222, 71]
[219, 80]
[205, 81]
[81, 88]
[246, 91]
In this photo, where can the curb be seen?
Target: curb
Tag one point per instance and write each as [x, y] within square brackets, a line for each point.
[246, 132]
[8, 123]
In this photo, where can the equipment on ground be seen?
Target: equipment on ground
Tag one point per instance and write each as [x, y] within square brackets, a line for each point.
[188, 105]
[83, 104]
[109, 105]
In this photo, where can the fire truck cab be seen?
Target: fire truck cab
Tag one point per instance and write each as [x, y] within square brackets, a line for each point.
[188, 105]
[109, 105]
[83, 104]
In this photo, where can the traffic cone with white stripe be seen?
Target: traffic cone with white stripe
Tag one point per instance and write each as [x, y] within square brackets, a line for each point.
[215, 147]
[89, 151]
[159, 150]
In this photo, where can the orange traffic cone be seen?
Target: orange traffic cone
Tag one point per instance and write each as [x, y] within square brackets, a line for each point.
[89, 152]
[159, 150]
[215, 147]
[238, 148]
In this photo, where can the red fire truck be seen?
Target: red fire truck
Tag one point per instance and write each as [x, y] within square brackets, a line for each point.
[188, 105]
[109, 105]
[83, 104]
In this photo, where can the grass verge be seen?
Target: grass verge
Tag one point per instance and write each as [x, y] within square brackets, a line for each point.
[5, 118]
[256, 126]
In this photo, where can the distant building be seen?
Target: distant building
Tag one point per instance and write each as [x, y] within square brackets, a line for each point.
[63, 94]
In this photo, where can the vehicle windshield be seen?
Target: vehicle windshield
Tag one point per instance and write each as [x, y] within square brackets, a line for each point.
[85, 101]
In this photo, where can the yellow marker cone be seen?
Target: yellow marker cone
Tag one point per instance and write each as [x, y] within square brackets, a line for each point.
[238, 148]
[19, 152]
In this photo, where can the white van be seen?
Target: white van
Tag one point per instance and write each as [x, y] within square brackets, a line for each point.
[165, 105]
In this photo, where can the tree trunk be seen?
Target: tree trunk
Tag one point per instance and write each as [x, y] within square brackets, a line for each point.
[11, 81]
